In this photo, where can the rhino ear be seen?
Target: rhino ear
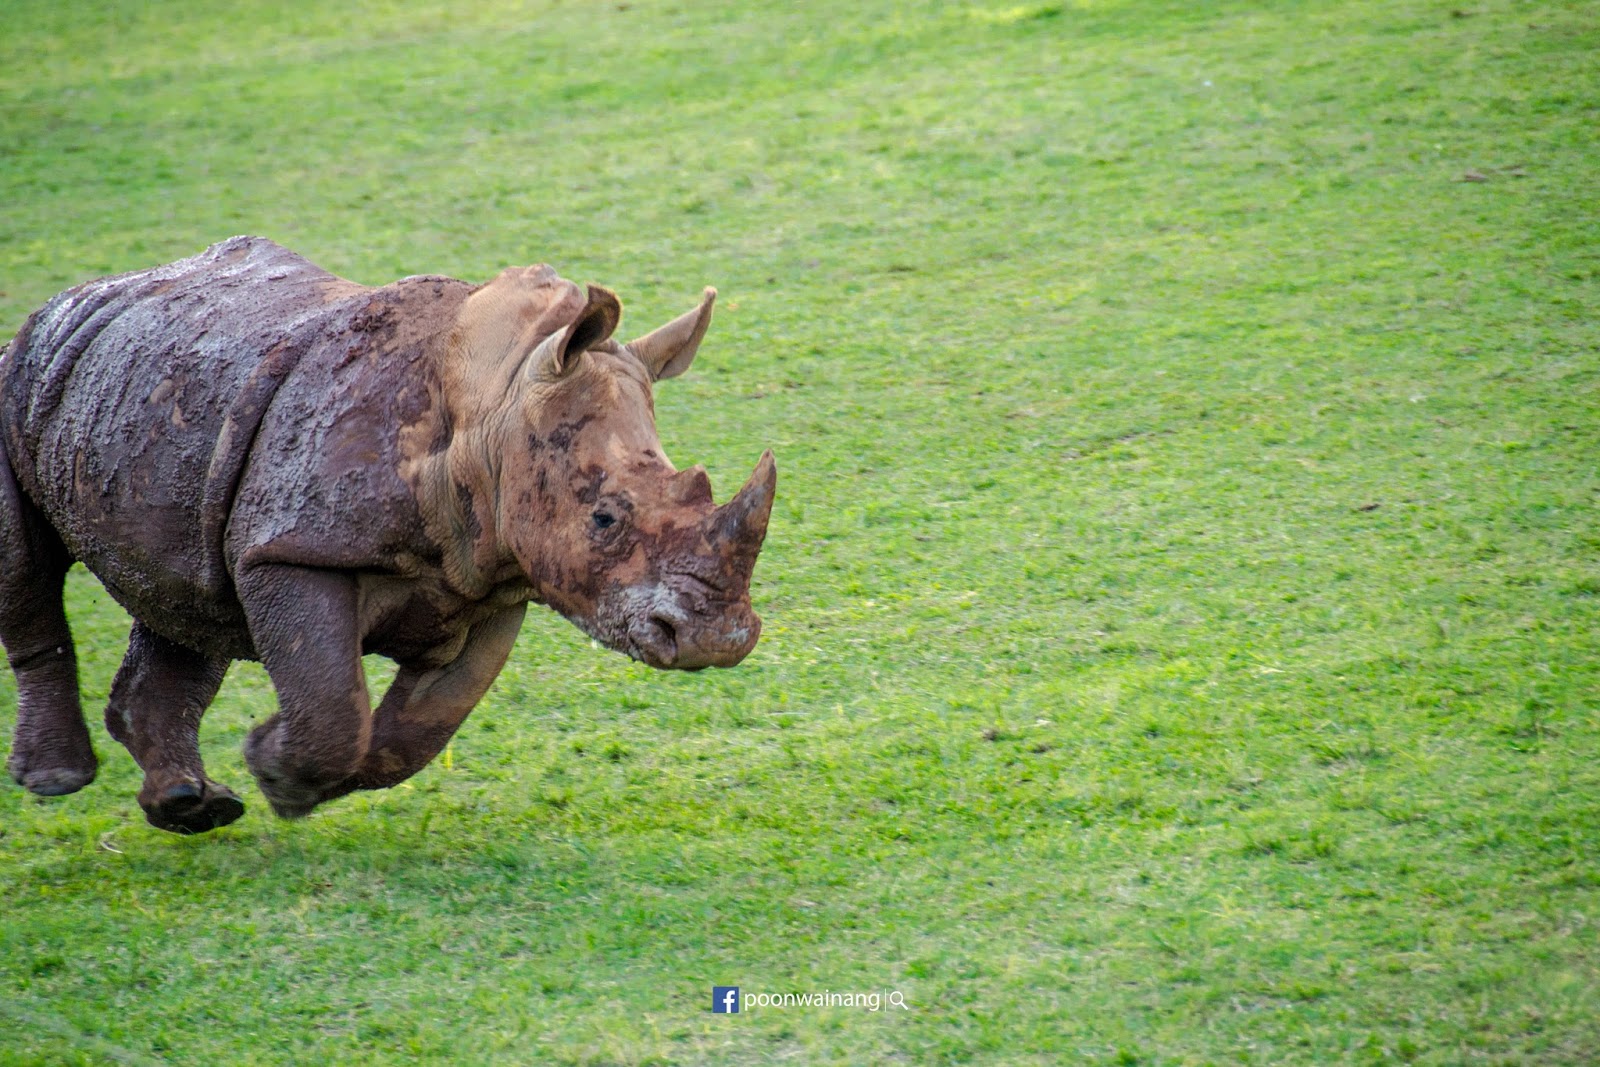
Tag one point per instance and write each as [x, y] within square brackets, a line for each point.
[667, 351]
[559, 353]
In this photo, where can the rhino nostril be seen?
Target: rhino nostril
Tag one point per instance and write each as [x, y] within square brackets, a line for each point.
[667, 633]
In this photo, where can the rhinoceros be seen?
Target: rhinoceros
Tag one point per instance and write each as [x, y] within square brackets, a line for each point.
[261, 460]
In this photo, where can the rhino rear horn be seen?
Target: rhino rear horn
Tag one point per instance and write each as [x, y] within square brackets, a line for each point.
[668, 350]
[557, 354]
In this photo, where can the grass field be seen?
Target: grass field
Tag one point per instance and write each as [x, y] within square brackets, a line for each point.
[1181, 600]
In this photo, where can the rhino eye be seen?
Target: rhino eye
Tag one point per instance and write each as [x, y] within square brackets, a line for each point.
[603, 519]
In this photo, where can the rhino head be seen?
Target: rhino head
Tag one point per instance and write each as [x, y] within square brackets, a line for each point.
[581, 497]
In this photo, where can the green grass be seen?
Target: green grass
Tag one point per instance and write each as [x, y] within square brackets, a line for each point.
[1181, 600]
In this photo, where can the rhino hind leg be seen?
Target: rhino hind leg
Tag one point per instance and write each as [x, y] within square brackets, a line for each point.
[50, 754]
[160, 694]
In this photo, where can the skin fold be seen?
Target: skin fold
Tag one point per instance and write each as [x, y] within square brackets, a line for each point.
[260, 460]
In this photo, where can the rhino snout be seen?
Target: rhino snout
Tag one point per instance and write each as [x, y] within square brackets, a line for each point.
[693, 609]
[664, 634]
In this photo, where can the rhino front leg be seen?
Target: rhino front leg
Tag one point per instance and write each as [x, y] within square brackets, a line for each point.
[423, 708]
[50, 754]
[303, 623]
[159, 696]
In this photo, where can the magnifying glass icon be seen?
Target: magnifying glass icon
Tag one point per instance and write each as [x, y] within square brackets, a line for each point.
[897, 999]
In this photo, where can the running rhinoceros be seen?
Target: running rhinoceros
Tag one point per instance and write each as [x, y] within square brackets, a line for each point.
[261, 460]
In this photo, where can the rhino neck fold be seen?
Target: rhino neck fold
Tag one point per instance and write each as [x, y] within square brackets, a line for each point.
[458, 495]
[452, 457]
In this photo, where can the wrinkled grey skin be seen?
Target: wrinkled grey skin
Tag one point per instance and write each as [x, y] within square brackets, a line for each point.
[260, 460]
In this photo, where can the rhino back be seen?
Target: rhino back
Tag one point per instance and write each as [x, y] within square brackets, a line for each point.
[129, 407]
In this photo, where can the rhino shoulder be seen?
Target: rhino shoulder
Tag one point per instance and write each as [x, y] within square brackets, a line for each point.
[325, 483]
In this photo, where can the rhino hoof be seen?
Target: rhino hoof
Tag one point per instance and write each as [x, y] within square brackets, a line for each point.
[291, 809]
[190, 808]
[290, 799]
[57, 782]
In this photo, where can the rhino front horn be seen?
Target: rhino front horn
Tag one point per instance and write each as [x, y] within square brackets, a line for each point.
[741, 523]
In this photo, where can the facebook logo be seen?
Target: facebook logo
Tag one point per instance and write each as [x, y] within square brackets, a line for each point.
[725, 999]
